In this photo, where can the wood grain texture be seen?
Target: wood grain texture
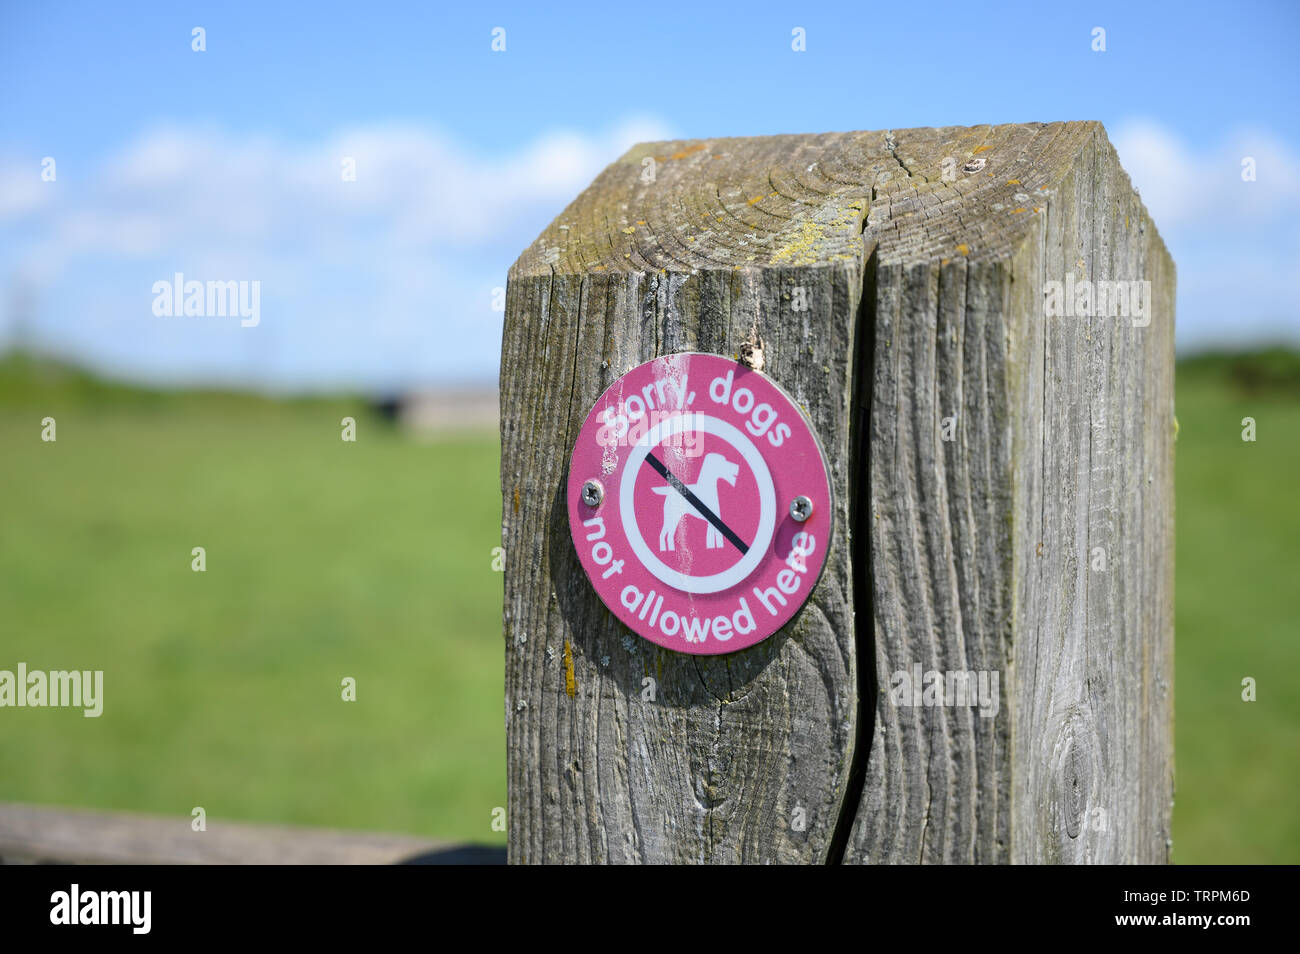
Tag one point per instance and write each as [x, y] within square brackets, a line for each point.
[1093, 659]
[924, 254]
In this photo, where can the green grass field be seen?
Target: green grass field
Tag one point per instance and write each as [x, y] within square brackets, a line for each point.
[373, 560]
[325, 559]
[1237, 764]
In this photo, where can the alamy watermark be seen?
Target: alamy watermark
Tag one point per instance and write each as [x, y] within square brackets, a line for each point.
[128, 908]
[213, 299]
[1084, 298]
[57, 688]
[947, 688]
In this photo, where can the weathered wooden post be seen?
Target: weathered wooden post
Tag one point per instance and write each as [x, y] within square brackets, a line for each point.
[965, 316]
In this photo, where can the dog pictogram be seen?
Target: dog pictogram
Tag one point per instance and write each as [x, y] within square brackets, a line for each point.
[715, 468]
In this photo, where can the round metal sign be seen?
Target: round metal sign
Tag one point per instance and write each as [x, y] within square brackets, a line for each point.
[699, 503]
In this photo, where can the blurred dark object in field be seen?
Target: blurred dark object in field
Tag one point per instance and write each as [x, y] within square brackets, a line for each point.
[388, 408]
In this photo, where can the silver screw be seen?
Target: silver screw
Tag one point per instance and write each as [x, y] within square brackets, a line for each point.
[592, 493]
[801, 508]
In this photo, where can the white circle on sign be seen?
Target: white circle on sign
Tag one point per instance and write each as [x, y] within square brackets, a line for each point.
[766, 503]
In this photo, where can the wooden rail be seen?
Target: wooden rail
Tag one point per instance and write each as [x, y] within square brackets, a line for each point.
[1001, 449]
[36, 835]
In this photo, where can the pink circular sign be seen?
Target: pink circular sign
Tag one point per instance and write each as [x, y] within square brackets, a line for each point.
[699, 503]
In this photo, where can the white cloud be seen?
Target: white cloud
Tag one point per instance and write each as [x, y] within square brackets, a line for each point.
[1182, 184]
[1235, 242]
[391, 261]
[365, 282]
[423, 186]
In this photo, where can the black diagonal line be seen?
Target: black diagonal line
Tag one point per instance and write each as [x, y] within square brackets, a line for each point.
[697, 503]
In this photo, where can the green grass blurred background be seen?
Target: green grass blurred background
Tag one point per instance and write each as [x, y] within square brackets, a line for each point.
[328, 559]
[325, 559]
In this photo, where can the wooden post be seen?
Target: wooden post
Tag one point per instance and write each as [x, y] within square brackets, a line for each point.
[998, 416]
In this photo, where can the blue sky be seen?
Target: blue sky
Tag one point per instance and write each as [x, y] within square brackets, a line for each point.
[226, 163]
